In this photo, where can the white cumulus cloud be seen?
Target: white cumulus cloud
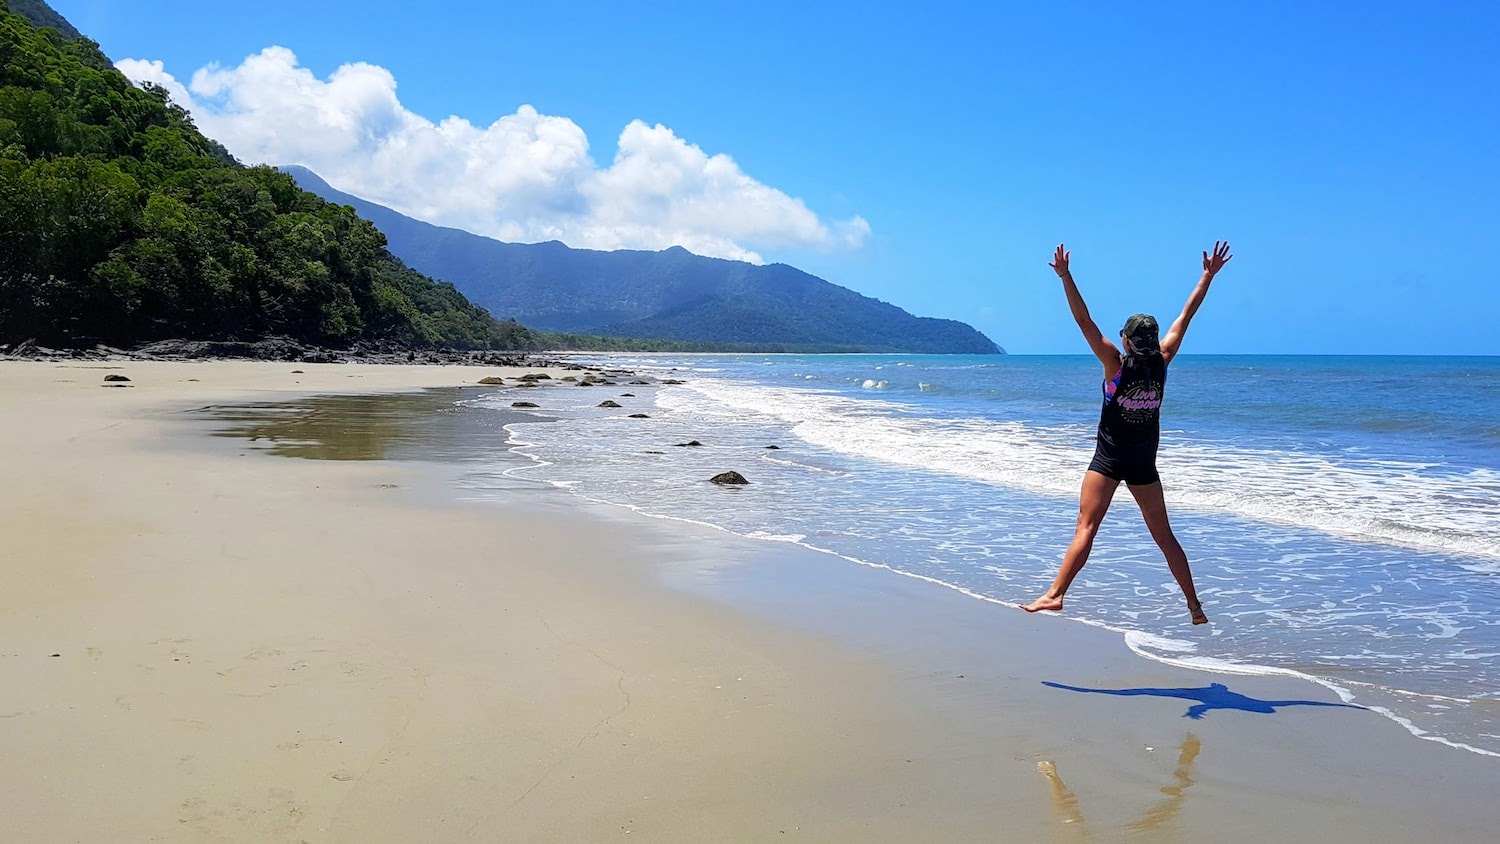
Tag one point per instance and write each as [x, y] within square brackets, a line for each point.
[525, 177]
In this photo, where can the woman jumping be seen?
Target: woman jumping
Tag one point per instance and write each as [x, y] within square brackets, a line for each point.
[1129, 430]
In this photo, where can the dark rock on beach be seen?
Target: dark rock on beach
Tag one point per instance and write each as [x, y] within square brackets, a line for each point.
[277, 348]
[689, 443]
[115, 378]
[639, 416]
[776, 447]
[522, 404]
[493, 381]
[728, 478]
[608, 403]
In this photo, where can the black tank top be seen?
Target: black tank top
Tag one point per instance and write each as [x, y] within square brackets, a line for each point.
[1131, 418]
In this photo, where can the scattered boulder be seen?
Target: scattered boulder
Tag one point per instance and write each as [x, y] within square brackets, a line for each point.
[115, 378]
[627, 395]
[638, 382]
[608, 403]
[724, 478]
[570, 378]
[774, 447]
[522, 404]
[688, 444]
[298, 372]
[585, 383]
[673, 381]
[493, 380]
[639, 416]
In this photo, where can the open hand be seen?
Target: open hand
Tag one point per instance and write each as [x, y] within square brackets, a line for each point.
[1059, 263]
[1215, 262]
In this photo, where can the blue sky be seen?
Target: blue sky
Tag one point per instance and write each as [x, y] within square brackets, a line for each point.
[1349, 151]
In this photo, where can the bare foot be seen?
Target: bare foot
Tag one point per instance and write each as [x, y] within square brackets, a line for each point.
[1043, 603]
[1197, 611]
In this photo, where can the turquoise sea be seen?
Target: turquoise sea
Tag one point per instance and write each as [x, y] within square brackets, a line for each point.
[1340, 513]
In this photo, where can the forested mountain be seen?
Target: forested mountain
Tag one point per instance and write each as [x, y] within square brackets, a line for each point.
[120, 223]
[672, 294]
[40, 14]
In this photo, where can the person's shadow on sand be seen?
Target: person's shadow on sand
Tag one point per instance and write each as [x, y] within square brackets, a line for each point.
[1210, 697]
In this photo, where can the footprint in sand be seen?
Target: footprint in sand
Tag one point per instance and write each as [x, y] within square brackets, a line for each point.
[277, 813]
[178, 654]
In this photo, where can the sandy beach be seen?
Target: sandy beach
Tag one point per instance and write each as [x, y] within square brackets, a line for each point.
[203, 642]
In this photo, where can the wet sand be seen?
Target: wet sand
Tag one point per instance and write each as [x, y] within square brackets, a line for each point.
[254, 648]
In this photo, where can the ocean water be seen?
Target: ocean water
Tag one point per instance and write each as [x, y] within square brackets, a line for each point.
[1340, 513]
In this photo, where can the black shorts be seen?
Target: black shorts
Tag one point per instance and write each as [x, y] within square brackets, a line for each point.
[1133, 469]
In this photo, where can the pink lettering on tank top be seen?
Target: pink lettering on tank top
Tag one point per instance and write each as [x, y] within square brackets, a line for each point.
[1141, 400]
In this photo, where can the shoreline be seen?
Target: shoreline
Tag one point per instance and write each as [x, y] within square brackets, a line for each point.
[878, 707]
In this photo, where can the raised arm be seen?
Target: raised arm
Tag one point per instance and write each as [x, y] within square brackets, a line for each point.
[1104, 349]
[1211, 266]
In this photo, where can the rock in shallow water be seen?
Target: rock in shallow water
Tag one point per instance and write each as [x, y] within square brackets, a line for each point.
[729, 478]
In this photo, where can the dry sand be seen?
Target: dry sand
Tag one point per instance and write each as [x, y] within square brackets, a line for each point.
[201, 646]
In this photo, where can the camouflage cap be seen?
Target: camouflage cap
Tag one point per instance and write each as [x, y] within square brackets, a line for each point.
[1141, 331]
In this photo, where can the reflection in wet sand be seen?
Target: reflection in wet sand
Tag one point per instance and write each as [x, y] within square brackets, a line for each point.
[430, 425]
[1067, 820]
[1166, 811]
[1067, 817]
